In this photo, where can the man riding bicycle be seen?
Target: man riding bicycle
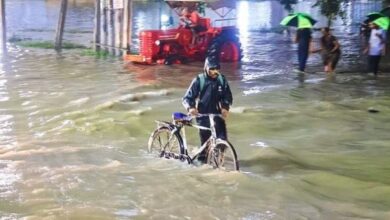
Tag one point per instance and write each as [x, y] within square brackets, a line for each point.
[209, 93]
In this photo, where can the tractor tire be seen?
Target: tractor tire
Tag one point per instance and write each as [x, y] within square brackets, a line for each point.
[172, 59]
[169, 60]
[226, 47]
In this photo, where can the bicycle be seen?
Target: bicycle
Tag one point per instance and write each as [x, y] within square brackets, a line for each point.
[169, 140]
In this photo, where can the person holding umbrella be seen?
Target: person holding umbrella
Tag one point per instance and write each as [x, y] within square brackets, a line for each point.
[377, 42]
[303, 39]
[304, 23]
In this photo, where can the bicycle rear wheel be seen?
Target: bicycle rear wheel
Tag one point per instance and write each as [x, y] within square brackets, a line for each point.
[223, 156]
[163, 143]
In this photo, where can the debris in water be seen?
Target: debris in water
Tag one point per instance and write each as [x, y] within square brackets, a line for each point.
[373, 110]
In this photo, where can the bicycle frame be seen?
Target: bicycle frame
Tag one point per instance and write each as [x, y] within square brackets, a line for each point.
[179, 128]
[212, 138]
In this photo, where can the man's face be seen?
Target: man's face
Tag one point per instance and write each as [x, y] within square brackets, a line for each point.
[213, 72]
[372, 25]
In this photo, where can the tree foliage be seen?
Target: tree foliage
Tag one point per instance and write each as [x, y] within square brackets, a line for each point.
[332, 9]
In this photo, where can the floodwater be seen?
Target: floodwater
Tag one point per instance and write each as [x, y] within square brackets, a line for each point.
[74, 130]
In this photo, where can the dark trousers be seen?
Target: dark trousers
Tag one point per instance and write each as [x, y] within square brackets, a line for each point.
[220, 127]
[303, 54]
[373, 63]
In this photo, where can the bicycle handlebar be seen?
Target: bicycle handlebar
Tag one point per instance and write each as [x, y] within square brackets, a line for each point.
[199, 115]
[185, 119]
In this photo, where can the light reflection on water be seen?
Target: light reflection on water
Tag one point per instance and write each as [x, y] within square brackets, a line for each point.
[76, 129]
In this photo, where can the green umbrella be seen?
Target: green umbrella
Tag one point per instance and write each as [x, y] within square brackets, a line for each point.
[375, 15]
[382, 22]
[379, 19]
[299, 20]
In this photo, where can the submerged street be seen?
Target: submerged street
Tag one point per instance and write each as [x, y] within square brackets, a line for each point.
[74, 132]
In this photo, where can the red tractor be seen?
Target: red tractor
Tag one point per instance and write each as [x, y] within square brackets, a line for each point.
[177, 45]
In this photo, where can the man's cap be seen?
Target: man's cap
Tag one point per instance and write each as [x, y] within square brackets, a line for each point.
[212, 62]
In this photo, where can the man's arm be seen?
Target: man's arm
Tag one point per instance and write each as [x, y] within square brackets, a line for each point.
[227, 98]
[310, 44]
[384, 36]
[367, 47]
[336, 44]
[189, 99]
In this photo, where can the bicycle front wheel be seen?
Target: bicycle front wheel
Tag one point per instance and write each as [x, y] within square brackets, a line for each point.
[163, 143]
[223, 156]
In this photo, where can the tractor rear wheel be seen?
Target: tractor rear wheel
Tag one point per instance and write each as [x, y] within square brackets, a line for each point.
[226, 47]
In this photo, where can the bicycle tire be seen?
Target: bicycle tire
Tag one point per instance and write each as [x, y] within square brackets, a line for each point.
[160, 145]
[223, 156]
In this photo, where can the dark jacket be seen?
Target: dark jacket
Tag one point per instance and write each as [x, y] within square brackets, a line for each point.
[304, 38]
[212, 97]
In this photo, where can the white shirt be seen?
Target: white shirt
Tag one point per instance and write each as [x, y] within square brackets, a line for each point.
[376, 44]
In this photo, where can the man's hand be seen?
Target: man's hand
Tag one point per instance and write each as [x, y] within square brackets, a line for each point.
[193, 111]
[225, 113]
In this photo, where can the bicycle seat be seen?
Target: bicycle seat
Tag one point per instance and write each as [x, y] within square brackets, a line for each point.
[181, 117]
